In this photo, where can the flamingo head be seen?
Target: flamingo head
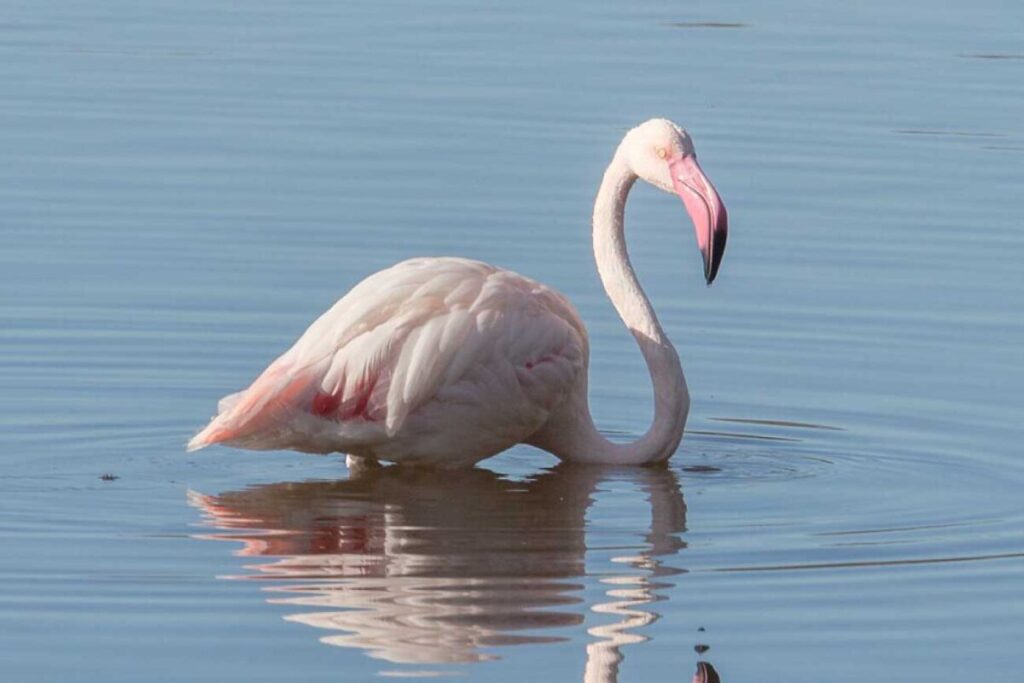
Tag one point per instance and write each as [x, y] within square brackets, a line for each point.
[662, 153]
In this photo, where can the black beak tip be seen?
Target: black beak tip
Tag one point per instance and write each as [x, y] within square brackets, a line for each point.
[713, 257]
[709, 272]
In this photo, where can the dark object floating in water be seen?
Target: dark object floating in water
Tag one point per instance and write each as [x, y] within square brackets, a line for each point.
[700, 629]
[701, 469]
[706, 674]
[701, 648]
[991, 55]
[107, 476]
[705, 24]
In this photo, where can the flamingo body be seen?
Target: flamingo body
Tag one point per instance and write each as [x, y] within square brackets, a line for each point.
[447, 361]
[432, 361]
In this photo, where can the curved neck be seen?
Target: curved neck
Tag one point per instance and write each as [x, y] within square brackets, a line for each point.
[671, 399]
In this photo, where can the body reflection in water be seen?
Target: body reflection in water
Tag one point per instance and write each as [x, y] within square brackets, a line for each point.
[422, 567]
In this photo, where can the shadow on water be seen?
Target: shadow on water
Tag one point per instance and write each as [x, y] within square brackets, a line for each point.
[422, 567]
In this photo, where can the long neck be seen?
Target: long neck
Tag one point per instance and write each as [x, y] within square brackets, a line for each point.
[671, 399]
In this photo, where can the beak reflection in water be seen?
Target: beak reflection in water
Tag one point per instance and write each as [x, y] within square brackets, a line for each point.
[706, 673]
[432, 568]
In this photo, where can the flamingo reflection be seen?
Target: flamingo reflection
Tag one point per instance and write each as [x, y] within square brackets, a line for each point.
[434, 567]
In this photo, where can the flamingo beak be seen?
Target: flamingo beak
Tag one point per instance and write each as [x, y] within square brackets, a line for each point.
[705, 208]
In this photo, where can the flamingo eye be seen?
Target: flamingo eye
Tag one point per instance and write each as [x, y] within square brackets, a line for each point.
[662, 153]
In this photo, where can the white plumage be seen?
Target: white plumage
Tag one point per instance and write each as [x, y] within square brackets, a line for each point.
[446, 361]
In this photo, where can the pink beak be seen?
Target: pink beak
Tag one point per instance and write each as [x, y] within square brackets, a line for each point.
[705, 208]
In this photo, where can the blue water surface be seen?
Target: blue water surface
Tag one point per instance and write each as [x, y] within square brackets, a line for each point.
[186, 185]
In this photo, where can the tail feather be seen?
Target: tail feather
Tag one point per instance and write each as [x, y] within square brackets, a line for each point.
[260, 408]
[209, 435]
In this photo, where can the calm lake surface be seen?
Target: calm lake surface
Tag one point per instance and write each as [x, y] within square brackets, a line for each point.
[186, 185]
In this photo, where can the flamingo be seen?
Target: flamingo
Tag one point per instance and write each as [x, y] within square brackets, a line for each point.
[448, 361]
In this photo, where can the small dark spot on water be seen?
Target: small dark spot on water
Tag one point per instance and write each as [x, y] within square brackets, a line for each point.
[700, 629]
[705, 24]
[701, 648]
[107, 476]
[701, 469]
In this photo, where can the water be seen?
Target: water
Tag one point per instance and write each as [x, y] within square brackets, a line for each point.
[187, 185]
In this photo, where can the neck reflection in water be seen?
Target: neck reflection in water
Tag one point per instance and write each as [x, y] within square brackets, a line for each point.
[422, 567]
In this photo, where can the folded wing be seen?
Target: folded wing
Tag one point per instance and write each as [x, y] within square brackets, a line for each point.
[392, 344]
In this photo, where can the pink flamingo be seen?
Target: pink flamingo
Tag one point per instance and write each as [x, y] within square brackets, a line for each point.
[447, 361]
